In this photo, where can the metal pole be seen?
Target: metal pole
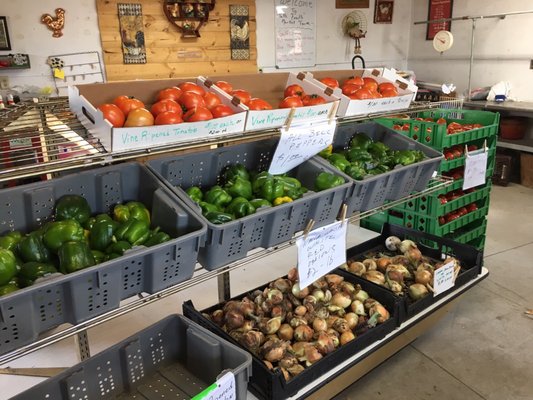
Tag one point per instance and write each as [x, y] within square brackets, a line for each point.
[471, 59]
[465, 17]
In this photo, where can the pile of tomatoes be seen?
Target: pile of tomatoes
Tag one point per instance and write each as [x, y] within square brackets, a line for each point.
[295, 96]
[457, 151]
[460, 212]
[186, 102]
[245, 97]
[451, 128]
[358, 88]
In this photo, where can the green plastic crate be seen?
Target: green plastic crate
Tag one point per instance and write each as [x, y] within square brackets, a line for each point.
[469, 233]
[447, 165]
[375, 221]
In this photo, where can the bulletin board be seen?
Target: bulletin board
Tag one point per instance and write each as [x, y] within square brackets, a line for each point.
[295, 30]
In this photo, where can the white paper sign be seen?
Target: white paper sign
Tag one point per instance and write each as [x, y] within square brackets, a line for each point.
[299, 143]
[443, 278]
[475, 169]
[323, 250]
[222, 389]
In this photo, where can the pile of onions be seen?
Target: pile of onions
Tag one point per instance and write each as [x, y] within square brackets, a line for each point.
[290, 328]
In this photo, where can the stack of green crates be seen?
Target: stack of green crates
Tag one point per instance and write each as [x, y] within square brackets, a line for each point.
[426, 213]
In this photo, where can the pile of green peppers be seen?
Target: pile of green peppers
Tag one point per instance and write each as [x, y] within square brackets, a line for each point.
[74, 240]
[242, 192]
[365, 157]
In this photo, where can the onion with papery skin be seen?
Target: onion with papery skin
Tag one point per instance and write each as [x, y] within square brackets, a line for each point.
[361, 295]
[414, 255]
[321, 284]
[268, 364]
[341, 299]
[352, 319]
[331, 320]
[322, 312]
[271, 326]
[417, 291]
[273, 351]
[375, 276]
[236, 335]
[334, 279]
[400, 260]
[285, 373]
[233, 319]
[303, 333]
[292, 275]
[334, 337]
[382, 263]
[327, 296]
[298, 349]
[252, 340]
[320, 324]
[347, 287]
[369, 303]
[346, 337]
[266, 306]
[356, 268]
[283, 285]
[285, 332]
[423, 276]
[370, 264]
[288, 361]
[275, 296]
[312, 355]
[401, 269]
[392, 243]
[297, 321]
[300, 311]
[393, 275]
[218, 317]
[278, 311]
[324, 344]
[310, 301]
[341, 325]
[318, 294]
[295, 370]
[358, 307]
[406, 245]
[299, 293]
[231, 305]
[383, 312]
[339, 311]
[394, 286]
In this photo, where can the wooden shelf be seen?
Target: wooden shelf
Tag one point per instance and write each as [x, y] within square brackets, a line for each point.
[525, 145]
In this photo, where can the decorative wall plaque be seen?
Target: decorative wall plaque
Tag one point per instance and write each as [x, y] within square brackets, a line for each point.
[188, 16]
[239, 32]
[132, 33]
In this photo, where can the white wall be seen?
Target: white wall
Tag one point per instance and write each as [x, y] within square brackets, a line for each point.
[29, 35]
[384, 45]
[502, 48]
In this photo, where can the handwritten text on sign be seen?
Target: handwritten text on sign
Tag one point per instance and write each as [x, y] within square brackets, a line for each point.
[443, 278]
[323, 250]
[475, 169]
[299, 143]
[222, 389]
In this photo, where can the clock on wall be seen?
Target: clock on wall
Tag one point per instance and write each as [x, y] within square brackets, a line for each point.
[443, 41]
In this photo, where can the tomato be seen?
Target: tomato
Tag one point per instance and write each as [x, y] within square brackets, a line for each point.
[452, 217]
[330, 82]
[225, 86]
[221, 110]
[457, 175]
[462, 211]
[172, 93]
[448, 155]
[442, 199]
[441, 121]
[168, 117]
[313, 100]
[191, 87]
[389, 93]
[472, 207]
[406, 127]
[259, 104]
[370, 85]
[211, 99]
[113, 114]
[457, 153]
[363, 94]
[197, 114]
[355, 80]
[386, 86]
[472, 147]
[127, 104]
[349, 89]
[291, 101]
[442, 220]
[165, 105]
[190, 100]
[243, 95]
[139, 117]
[397, 127]
[293, 90]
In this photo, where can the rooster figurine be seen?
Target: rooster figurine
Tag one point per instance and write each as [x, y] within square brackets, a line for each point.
[55, 24]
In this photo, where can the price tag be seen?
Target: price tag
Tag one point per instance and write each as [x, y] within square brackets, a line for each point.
[59, 73]
[475, 169]
[323, 250]
[222, 389]
[443, 278]
[299, 143]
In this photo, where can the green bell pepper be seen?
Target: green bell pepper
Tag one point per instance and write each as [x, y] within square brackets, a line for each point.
[134, 231]
[217, 196]
[360, 140]
[338, 161]
[356, 172]
[8, 266]
[419, 155]
[99, 256]
[218, 217]
[157, 238]
[59, 232]
[32, 248]
[10, 240]
[325, 180]
[195, 193]
[326, 152]
[378, 149]
[131, 210]
[118, 247]
[240, 207]
[74, 256]
[404, 157]
[239, 187]
[9, 288]
[72, 206]
[292, 187]
[268, 187]
[257, 203]
[356, 154]
[32, 270]
[101, 234]
[233, 171]
[207, 207]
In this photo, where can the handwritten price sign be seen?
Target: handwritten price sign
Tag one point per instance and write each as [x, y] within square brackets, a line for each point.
[475, 169]
[443, 278]
[222, 389]
[299, 143]
[323, 250]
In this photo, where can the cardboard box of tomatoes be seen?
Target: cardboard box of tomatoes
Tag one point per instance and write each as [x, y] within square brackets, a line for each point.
[366, 91]
[133, 115]
[277, 99]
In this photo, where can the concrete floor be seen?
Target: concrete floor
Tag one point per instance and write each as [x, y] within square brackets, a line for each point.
[481, 350]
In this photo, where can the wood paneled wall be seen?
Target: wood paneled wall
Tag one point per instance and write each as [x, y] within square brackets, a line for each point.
[168, 55]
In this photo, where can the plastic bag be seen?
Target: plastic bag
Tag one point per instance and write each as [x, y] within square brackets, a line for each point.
[502, 90]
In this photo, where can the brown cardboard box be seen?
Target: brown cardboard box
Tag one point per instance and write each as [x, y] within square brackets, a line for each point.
[526, 169]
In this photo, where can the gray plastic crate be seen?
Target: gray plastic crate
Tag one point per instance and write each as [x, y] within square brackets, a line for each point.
[268, 226]
[174, 358]
[373, 191]
[84, 294]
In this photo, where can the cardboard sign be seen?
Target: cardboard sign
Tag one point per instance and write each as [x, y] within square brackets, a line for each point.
[323, 250]
[443, 278]
[475, 169]
[222, 389]
[299, 143]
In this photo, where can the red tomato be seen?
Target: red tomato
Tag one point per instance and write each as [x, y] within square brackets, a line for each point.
[221, 110]
[457, 153]
[191, 87]
[168, 117]
[363, 94]
[330, 82]
[355, 80]
[386, 86]
[113, 114]
[397, 127]
[197, 114]
[442, 220]
[441, 121]
[127, 104]
[462, 211]
[293, 90]
[389, 93]
[443, 199]
[259, 104]
[190, 100]
[367, 79]
[472, 147]
[406, 127]
[165, 105]
[172, 93]
[225, 86]
[371, 85]
[448, 155]
[350, 88]
[291, 101]
[139, 117]
[313, 100]
[243, 95]
[452, 217]
[471, 207]
[211, 99]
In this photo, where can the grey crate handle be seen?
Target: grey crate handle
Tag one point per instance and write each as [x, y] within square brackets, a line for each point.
[132, 362]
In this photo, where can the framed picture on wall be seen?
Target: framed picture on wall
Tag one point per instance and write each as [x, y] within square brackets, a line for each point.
[383, 11]
[5, 44]
[352, 3]
[438, 9]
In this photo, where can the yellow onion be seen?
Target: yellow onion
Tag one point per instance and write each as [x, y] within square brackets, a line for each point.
[324, 344]
[268, 364]
[285, 373]
[296, 369]
[352, 320]
[417, 291]
[233, 319]
[299, 293]
[346, 337]
[341, 325]
[275, 296]
[361, 295]
[300, 311]
[283, 285]
[303, 333]
[334, 335]
[252, 340]
[320, 324]
[334, 279]
[382, 263]
[338, 310]
[375, 276]
[322, 312]
[356, 268]
[382, 311]
[331, 320]
[288, 361]
[273, 351]
[423, 276]
[341, 299]
[321, 284]
[278, 311]
[298, 349]
[297, 321]
[318, 294]
[370, 264]
[285, 332]
[270, 326]
[401, 260]
[347, 287]
[293, 275]
[406, 245]
[358, 307]
[414, 255]
[312, 355]
[218, 317]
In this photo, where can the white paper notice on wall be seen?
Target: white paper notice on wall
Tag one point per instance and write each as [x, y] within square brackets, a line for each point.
[299, 143]
[475, 168]
[222, 389]
[321, 251]
[443, 278]
[295, 30]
